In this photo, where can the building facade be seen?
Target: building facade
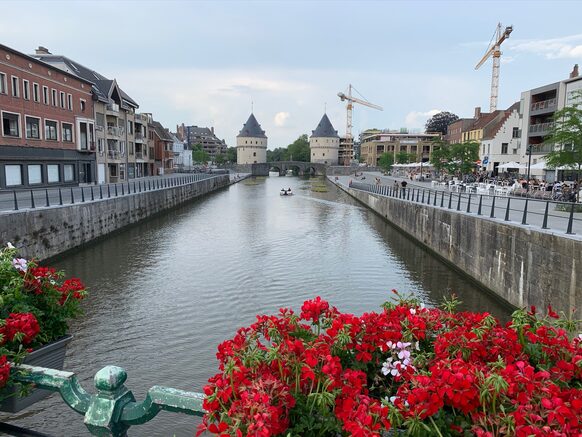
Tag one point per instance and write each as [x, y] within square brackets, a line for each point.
[194, 135]
[163, 149]
[500, 142]
[375, 144]
[324, 143]
[114, 114]
[251, 143]
[48, 128]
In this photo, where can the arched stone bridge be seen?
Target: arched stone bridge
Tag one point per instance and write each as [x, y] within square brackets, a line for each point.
[298, 167]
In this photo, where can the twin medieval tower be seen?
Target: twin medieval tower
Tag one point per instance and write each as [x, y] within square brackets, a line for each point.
[251, 143]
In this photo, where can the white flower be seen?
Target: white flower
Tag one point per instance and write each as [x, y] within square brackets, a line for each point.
[412, 311]
[9, 245]
[393, 399]
[20, 264]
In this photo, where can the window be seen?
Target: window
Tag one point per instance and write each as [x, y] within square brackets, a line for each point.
[69, 170]
[67, 132]
[36, 92]
[34, 174]
[69, 102]
[254, 153]
[515, 133]
[100, 119]
[3, 85]
[54, 97]
[45, 99]
[131, 149]
[10, 124]
[25, 89]
[15, 89]
[52, 172]
[50, 130]
[122, 148]
[129, 127]
[82, 102]
[33, 128]
[504, 148]
[62, 100]
[100, 145]
[13, 175]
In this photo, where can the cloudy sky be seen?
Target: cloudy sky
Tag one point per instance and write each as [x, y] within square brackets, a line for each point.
[204, 62]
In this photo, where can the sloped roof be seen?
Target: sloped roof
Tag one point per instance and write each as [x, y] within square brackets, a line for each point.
[324, 129]
[252, 128]
[161, 131]
[101, 85]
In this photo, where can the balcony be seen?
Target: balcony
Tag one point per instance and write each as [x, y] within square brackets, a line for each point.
[140, 155]
[115, 131]
[87, 146]
[115, 154]
[140, 138]
[540, 128]
[112, 108]
[543, 106]
[541, 149]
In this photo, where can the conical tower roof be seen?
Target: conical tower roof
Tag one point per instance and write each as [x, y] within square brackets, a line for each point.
[252, 128]
[324, 129]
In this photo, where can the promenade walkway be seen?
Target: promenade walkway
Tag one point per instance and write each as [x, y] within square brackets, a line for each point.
[492, 207]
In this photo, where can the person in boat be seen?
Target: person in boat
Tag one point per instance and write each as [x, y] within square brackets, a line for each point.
[289, 189]
[284, 192]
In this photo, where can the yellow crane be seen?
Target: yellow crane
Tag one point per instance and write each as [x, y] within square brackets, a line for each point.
[494, 51]
[349, 107]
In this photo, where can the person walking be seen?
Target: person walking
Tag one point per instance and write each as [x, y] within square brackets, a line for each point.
[403, 188]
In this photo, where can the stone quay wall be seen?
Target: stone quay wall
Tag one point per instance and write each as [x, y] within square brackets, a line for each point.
[523, 266]
[45, 232]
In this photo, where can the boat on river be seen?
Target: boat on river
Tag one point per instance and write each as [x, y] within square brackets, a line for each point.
[285, 192]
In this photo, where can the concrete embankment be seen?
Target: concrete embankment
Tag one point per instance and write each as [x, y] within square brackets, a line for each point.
[45, 232]
[524, 266]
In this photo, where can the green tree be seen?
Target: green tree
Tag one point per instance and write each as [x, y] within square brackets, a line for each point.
[219, 159]
[231, 154]
[386, 161]
[403, 158]
[455, 158]
[299, 149]
[199, 155]
[567, 135]
[278, 154]
[440, 156]
[440, 122]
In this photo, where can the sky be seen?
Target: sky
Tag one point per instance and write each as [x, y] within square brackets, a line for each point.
[209, 63]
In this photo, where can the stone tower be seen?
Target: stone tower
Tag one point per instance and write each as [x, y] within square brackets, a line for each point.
[251, 143]
[324, 143]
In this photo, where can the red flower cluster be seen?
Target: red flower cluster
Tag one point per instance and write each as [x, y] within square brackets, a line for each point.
[4, 370]
[325, 373]
[23, 325]
[71, 289]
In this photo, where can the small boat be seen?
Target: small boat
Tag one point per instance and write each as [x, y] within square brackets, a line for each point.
[286, 192]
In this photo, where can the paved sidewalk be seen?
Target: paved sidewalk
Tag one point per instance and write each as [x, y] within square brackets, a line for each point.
[557, 221]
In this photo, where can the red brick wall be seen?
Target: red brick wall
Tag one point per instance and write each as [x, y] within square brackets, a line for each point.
[14, 64]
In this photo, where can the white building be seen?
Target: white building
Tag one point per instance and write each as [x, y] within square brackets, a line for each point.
[251, 143]
[501, 141]
[182, 156]
[324, 143]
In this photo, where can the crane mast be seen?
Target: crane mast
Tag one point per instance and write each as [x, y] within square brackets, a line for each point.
[349, 108]
[494, 51]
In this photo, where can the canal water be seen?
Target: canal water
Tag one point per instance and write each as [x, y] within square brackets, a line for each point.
[165, 293]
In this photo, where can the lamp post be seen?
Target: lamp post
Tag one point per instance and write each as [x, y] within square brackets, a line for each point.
[529, 149]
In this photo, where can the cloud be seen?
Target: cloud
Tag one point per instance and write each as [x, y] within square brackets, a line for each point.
[281, 118]
[415, 119]
[554, 48]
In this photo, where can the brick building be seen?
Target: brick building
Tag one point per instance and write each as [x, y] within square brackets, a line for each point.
[47, 132]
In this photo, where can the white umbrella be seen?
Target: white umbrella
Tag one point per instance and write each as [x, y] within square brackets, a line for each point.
[512, 164]
[539, 166]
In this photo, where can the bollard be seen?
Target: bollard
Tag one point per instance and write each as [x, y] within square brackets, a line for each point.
[116, 194]
[428, 200]
[469, 204]
[524, 218]
[442, 199]
[459, 203]
[480, 204]
[417, 194]
[109, 191]
[139, 185]
[72, 196]
[422, 201]
[450, 199]
[92, 194]
[545, 223]
[435, 199]
[48, 203]
[149, 185]
[82, 195]
[100, 191]
[133, 186]
[32, 199]
[571, 219]
[60, 196]
[507, 209]
[15, 201]
[122, 190]
[128, 188]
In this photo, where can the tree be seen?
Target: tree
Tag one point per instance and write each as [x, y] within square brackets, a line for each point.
[299, 149]
[455, 158]
[278, 154]
[386, 161]
[199, 155]
[403, 158]
[231, 154]
[567, 135]
[219, 159]
[439, 122]
[440, 156]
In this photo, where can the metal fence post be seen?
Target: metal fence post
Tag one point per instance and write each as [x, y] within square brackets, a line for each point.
[442, 199]
[469, 203]
[450, 199]
[459, 202]
[122, 190]
[422, 201]
[108, 190]
[82, 194]
[428, 200]
[72, 196]
[524, 218]
[492, 215]
[101, 191]
[48, 202]
[92, 194]
[507, 209]
[134, 190]
[116, 194]
[545, 223]
[15, 201]
[480, 204]
[32, 199]
[435, 198]
[571, 219]
[417, 194]
[60, 196]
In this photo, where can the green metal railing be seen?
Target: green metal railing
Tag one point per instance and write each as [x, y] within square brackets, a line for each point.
[113, 409]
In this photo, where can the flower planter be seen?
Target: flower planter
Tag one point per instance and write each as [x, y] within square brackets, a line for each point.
[52, 356]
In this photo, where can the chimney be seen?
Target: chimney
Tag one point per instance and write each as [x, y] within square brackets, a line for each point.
[574, 72]
[42, 51]
[477, 112]
[212, 130]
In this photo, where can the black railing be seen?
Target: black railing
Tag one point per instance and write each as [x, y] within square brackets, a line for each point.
[545, 214]
[47, 197]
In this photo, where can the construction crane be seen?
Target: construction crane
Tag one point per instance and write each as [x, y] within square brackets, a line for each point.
[494, 51]
[349, 107]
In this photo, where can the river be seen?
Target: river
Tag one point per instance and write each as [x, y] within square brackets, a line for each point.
[166, 292]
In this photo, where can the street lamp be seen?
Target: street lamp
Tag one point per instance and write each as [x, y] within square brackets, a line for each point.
[529, 149]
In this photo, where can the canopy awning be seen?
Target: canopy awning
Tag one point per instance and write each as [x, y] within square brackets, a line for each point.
[512, 164]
